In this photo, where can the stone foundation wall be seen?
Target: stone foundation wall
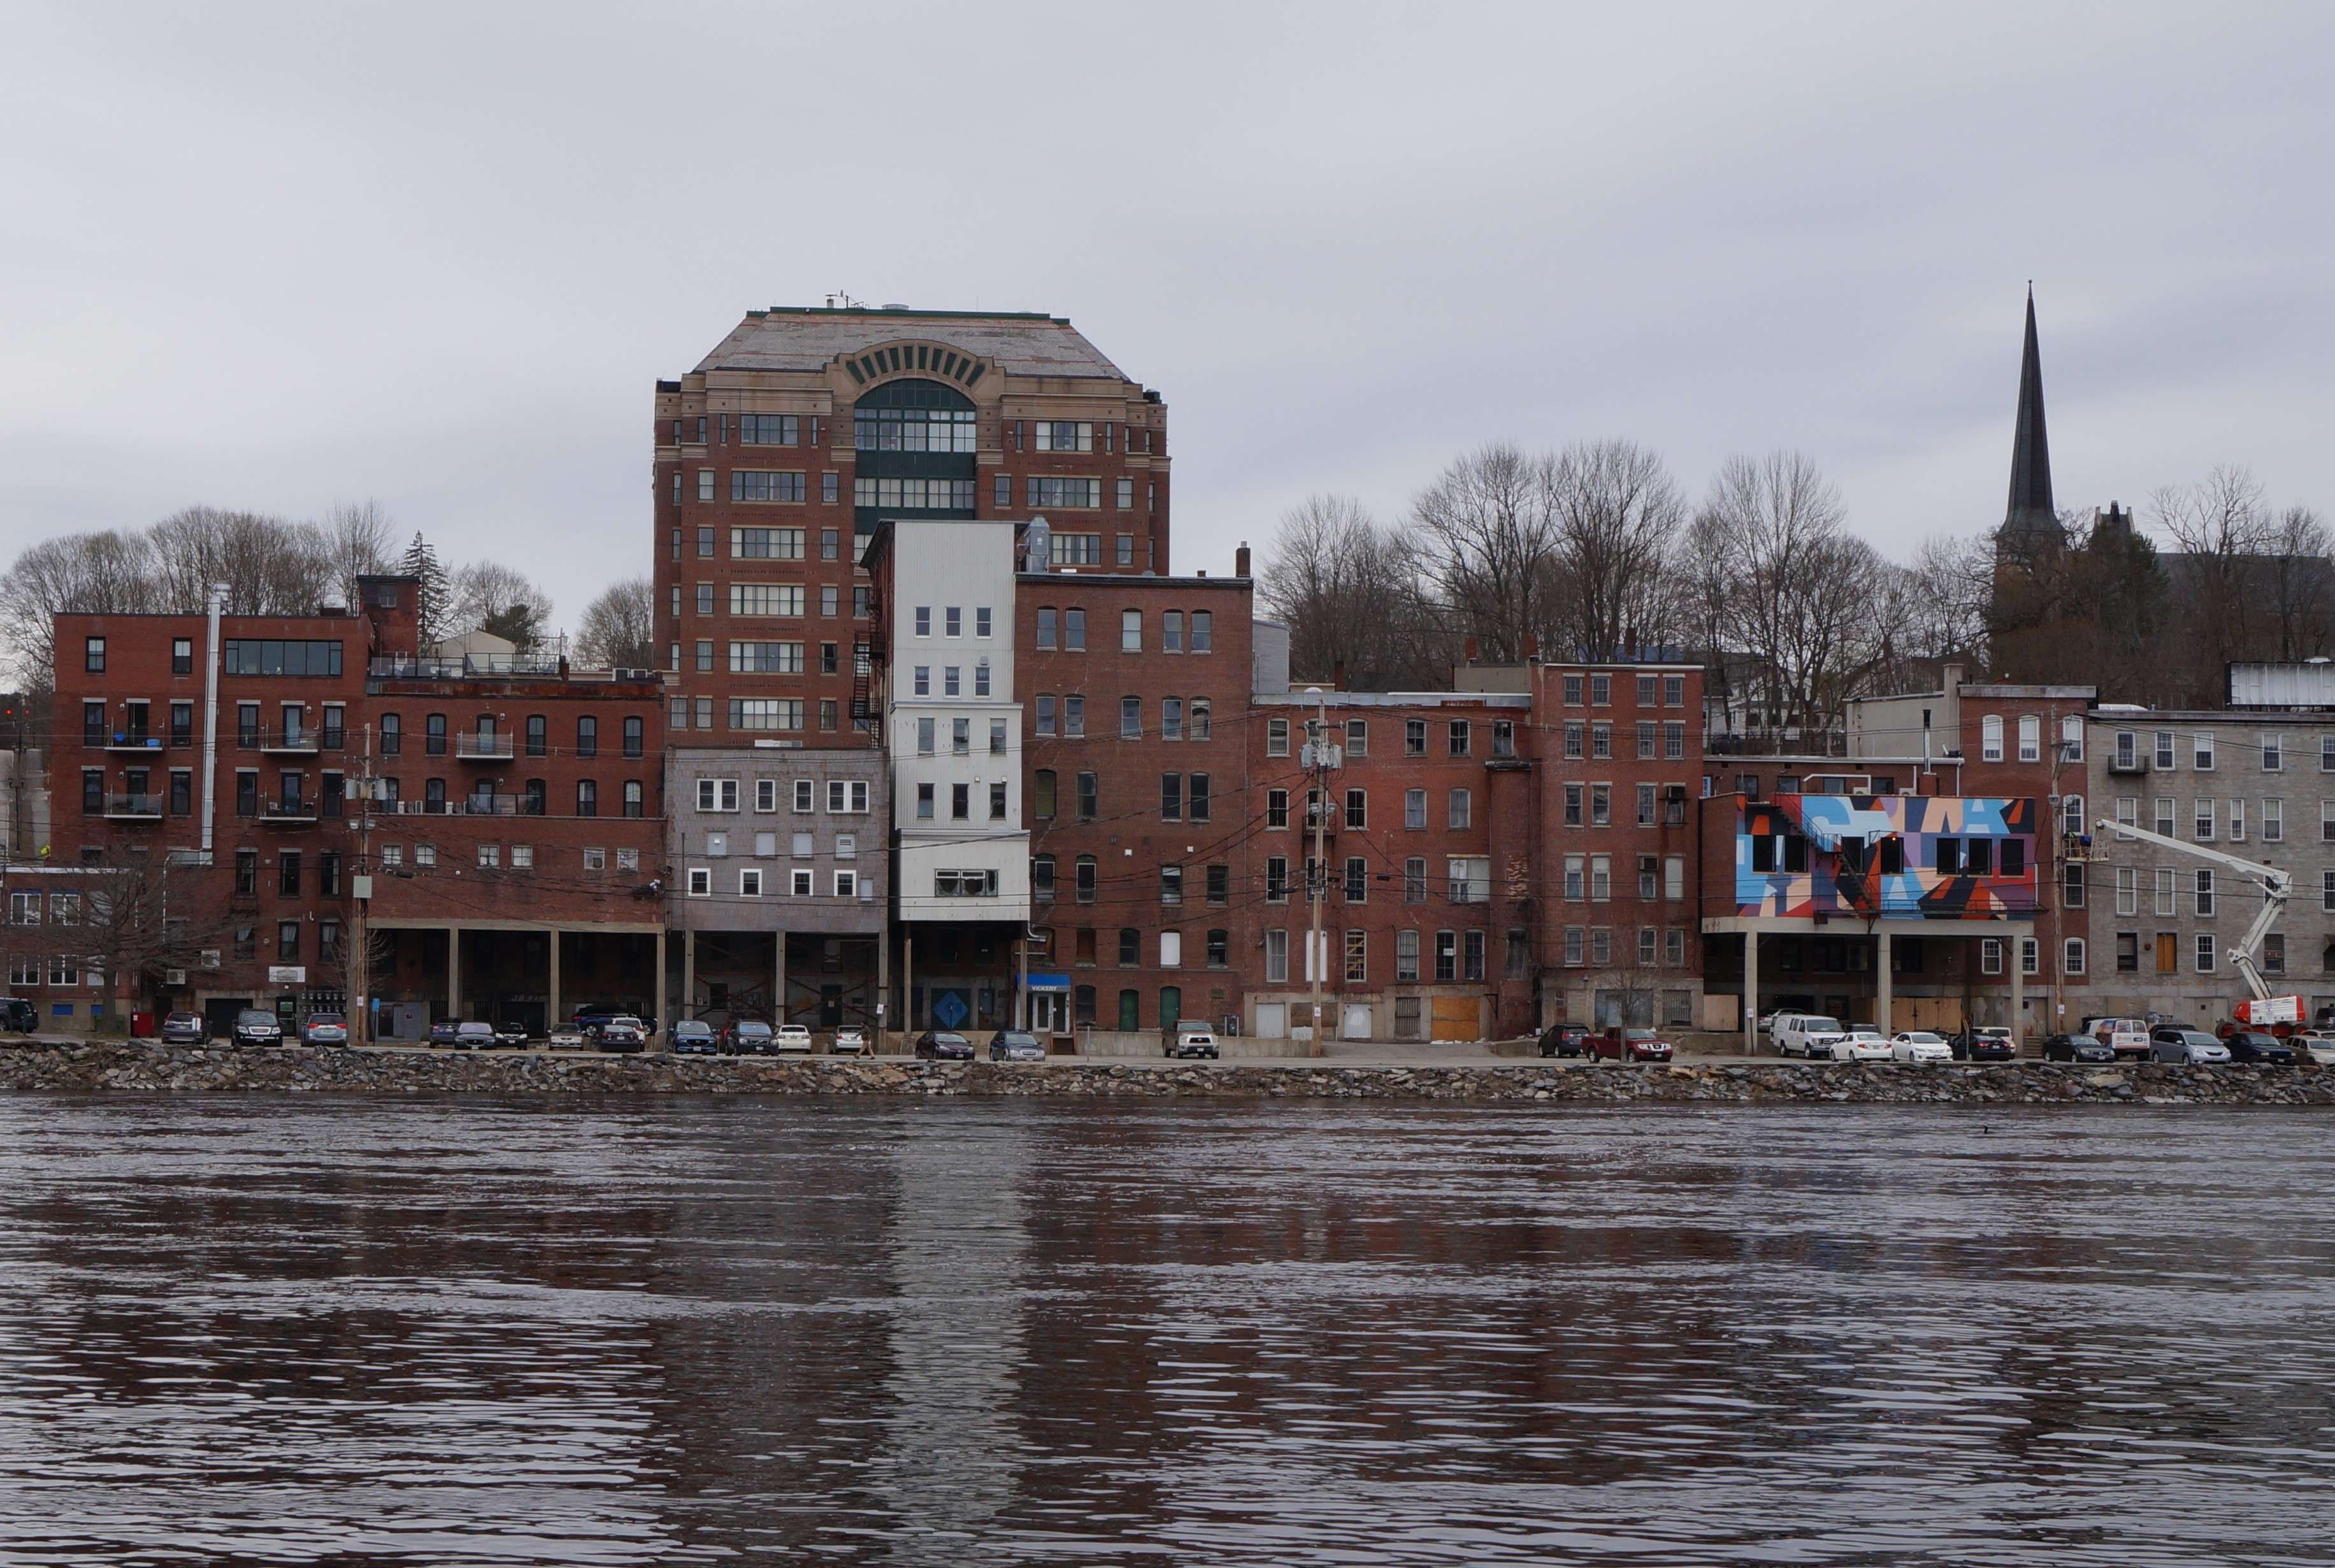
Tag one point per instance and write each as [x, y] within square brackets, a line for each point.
[136, 1066]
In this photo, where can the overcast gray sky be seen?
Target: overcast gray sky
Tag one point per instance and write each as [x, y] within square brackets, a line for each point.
[277, 256]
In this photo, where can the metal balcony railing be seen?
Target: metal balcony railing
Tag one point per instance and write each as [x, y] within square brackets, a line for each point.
[295, 813]
[133, 808]
[472, 747]
[132, 740]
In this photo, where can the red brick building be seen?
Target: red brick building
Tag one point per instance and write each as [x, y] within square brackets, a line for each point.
[803, 426]
[299, 761]
[1135, 699]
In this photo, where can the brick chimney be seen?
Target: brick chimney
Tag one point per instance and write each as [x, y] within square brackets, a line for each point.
[1468, 650]
[1338, 676]
[1240, 561]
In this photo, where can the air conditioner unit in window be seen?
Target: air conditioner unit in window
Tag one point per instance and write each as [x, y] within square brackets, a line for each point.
[174, 977]
[210, 958]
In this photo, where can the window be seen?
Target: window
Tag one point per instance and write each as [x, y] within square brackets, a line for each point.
[847, 796]
[1276, 879]
[1645, 806]
[1446, 956]
[1575, 876]
[1171, 717]
[1461, 737]
[2166, 896]
[1460, 809]
[2031, 957]
[1414, 879]
[2202, 824]
[2237, 821]
[2030, 738]
[2127, 890]
[1171, 631]
[2205, 894]
[1647, 732]
[1990, 955]
[2204, 953]
[1575, 742]
[1601, 878]
[1673, 740]
[1130, 717]
[267, 657]
[959, 802]
[780, 599]
[1601, 690]
[1276, 808]
[1991, 750]
[588, 736]
[1041, 878]
[997, 801]
[2274, 754]
[1357, 879]
[1171, 885]
[1414, 809]
[1276, 957]
[1601, 805]
[1357, 808]
[765, 712]
[1197, 804]
[1090, 797]
[1601, 742]
[2202, 754]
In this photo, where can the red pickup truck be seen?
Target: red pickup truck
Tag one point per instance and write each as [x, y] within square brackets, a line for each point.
[1626, 1044]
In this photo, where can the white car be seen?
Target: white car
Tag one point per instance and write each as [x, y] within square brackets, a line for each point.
[791, 1040]
[2315, 1046]
[2124, 1036]
[1862, 1043]
[849, 1041]
[565, 1040]
[1919, 1045]
[1808, 1034]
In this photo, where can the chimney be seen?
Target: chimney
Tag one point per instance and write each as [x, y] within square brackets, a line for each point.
[1240, 561]
[1532, 647]
[1468, 650]
[1951, 678]
[1338, 676]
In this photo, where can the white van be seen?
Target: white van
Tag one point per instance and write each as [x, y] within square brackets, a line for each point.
[2124, 1036]
[1806, 1034]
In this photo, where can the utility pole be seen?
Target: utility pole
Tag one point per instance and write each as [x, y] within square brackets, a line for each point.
[360, 955]
[1320, 758]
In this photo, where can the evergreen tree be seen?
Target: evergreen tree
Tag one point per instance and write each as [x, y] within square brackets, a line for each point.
[422, 561]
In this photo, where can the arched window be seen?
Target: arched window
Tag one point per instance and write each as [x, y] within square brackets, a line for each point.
[633, 737]
[539, 736]
[434, 796]
[587, 798]
[433, 735]
[587, 736]
[393, 735]
[1084, 873]
[1042, 798]
[532, 801]
[635, 800]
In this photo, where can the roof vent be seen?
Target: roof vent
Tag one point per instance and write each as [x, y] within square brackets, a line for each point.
[893, 304]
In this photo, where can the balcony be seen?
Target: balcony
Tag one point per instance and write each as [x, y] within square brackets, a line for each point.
[2130, 765]
[290, 813]
[132, 740]
[133, 808]
[301, 741]
[481, 748]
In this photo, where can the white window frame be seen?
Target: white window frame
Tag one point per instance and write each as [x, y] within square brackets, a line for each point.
[1990, 744]
[700, 881]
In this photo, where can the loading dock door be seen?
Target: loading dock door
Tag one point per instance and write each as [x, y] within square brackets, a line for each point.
[1455, 1018]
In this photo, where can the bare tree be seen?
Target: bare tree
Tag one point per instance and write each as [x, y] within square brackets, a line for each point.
[1618, 519]
[359, 540]
[2221, 530]
[619, 628]
[502, 600]
[269, 566]
[1489, 532]
[1783, 582]
[105, 573]
[2301, 603]
[133, 917]
[1346, 589]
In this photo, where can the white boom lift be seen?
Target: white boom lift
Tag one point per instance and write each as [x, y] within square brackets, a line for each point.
[2275, 885]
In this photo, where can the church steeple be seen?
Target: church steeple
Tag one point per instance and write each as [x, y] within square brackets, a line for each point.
[2031, 511]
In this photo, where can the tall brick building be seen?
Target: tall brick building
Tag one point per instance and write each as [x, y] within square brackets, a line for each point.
[805, 425]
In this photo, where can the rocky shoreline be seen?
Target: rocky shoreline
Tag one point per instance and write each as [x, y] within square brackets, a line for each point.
[99, 1065]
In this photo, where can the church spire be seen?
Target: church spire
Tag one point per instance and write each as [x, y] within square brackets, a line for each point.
[2031, 509]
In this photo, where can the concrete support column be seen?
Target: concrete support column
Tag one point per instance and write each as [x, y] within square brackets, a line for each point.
[1750, 993]
[658, 999]
[1881, 981]
[551, 1017]
[2012, 943]
[688, 974]
[454, 972]
[779, 979]
[908, 981]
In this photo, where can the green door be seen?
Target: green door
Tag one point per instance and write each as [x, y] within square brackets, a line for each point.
[1171, 1007]
[1130, 1010]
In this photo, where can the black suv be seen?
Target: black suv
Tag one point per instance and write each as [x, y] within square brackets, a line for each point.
[1565, 1040]
[2262, 1050]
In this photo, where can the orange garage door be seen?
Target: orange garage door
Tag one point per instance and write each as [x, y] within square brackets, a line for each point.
[1455, 1018]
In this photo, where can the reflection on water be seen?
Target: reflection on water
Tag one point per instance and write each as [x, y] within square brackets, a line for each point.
[350, 1331]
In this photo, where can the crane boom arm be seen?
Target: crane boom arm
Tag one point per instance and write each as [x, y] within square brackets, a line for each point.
[2275, 886]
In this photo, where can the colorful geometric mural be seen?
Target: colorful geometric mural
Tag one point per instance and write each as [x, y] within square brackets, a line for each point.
[1904, 857]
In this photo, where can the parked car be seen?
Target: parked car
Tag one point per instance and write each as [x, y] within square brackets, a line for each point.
[791, 1040]
[589, 1019]
[1193, 1043]
[2078, 1047]
[474, 1034]
[1919, 1046]
[19, 1013]
[1015, 1045]
[2125, 1037]
[1624, 1044]
[2187, 1047]
[324, 1029]
[692, 1036]
[746, 1036]
[1986, 1042]
[1862, 1043]
[511, 1035]
[566, 1039]
[622, 1032]
[183, 1028]
[849, 1041]
[257, 1026]
[1805, 1034]
[1565, 1040]
[2315, 1046]
[441, 1031]
[944, 1045]
[2252, 1045]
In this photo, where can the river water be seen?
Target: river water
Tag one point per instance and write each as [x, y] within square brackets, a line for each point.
[346, 1330]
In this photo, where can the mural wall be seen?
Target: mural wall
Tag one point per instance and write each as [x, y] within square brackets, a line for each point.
[1904, 857]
